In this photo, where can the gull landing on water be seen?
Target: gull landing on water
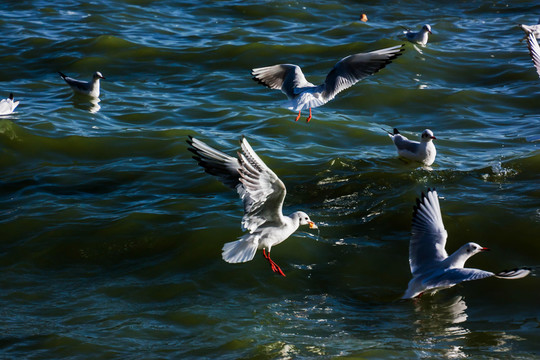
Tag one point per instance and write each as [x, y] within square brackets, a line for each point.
[423, 151]
[304, 95]
[262, 193]
[420, 37]
[90, 88]
[432, 268]
[7, 106]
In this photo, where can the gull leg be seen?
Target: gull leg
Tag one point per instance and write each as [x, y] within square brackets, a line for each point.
[273, 265]
[298, 117]
[309, 117]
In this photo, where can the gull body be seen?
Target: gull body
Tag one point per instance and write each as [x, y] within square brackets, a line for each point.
[90, 88]
[419, 37]
[423, 151]
[304, 95]
[262, 194]
[431, 266]
[7, 106]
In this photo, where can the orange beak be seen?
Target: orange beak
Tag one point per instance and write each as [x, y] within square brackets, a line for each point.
[312, 225]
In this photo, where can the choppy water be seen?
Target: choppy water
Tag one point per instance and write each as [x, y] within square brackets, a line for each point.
[111, 234]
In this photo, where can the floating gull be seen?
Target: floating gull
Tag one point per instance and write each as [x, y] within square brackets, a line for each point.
[531, 29]
[423, 151]
[84, 87]
[420, 37]
[431, 267]
[534, 50]
[262, 193]
[304, 95]
[7, 106]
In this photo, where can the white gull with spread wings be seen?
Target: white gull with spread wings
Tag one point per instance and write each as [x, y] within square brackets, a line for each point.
[303, 95]
[534, 50]
[262, 194]
[431, 266]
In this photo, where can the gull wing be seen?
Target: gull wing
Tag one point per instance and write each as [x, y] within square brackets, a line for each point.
[454, 276]
[534, 50]
[284, 77]
[261, 191]
[404, 144]
[353, 68]
[428, 234]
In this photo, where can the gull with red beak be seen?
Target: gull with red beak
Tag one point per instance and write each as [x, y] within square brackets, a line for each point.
[423, 151]
[303, 95]
[431, 266]
[420, 37]
[90, 88]
[262, 193]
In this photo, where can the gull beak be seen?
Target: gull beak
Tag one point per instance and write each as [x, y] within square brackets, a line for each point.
[433, 138]
[312, 225]
[484, 249]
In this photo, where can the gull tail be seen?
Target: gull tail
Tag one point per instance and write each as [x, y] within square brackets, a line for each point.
[240, 251]
[513, 274]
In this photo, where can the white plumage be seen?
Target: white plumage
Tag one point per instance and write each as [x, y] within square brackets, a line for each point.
[423, 151]
[90, 88]
[7, 106]
[262, 194]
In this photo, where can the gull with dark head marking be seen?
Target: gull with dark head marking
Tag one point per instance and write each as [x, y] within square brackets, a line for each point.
[431, 266]
[262, 194]
[423, 151]
[534, 50]
[90, 88]
[7, 106]
[304, 95]
[420, 37]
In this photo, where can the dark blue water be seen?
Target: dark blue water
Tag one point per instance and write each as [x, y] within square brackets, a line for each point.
[111, 235]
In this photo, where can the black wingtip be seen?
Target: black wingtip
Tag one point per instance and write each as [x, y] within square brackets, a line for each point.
[11, 96]
[396, 131]
[62, 75]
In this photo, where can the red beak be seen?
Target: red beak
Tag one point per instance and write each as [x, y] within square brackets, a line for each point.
[485, 249]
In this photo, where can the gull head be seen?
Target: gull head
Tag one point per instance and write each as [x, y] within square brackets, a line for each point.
[97, 75]
[473, 248]
[427, 28]
[427, 136]
[304, 219]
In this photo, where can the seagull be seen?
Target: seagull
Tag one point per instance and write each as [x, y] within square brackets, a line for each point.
[423, 151]
[431, 267]
[304, 95]
[420, 37]
[534, 50]
[7, 106]
[262, 194]
[83, 87]
[531, 29]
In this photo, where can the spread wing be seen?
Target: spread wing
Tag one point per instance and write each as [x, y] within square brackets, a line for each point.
[454, 276]
[284, 77]
[534, 50]
[261, 191]
[428, 234]
[353, 68]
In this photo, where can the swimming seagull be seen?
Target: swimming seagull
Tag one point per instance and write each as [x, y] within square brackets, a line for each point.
[262, 193]
[431, 267]
[7, 106]
[423, 151]
[420, 37]
[534, 50]
[531, 29]
[304, 95]
[84, 87]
